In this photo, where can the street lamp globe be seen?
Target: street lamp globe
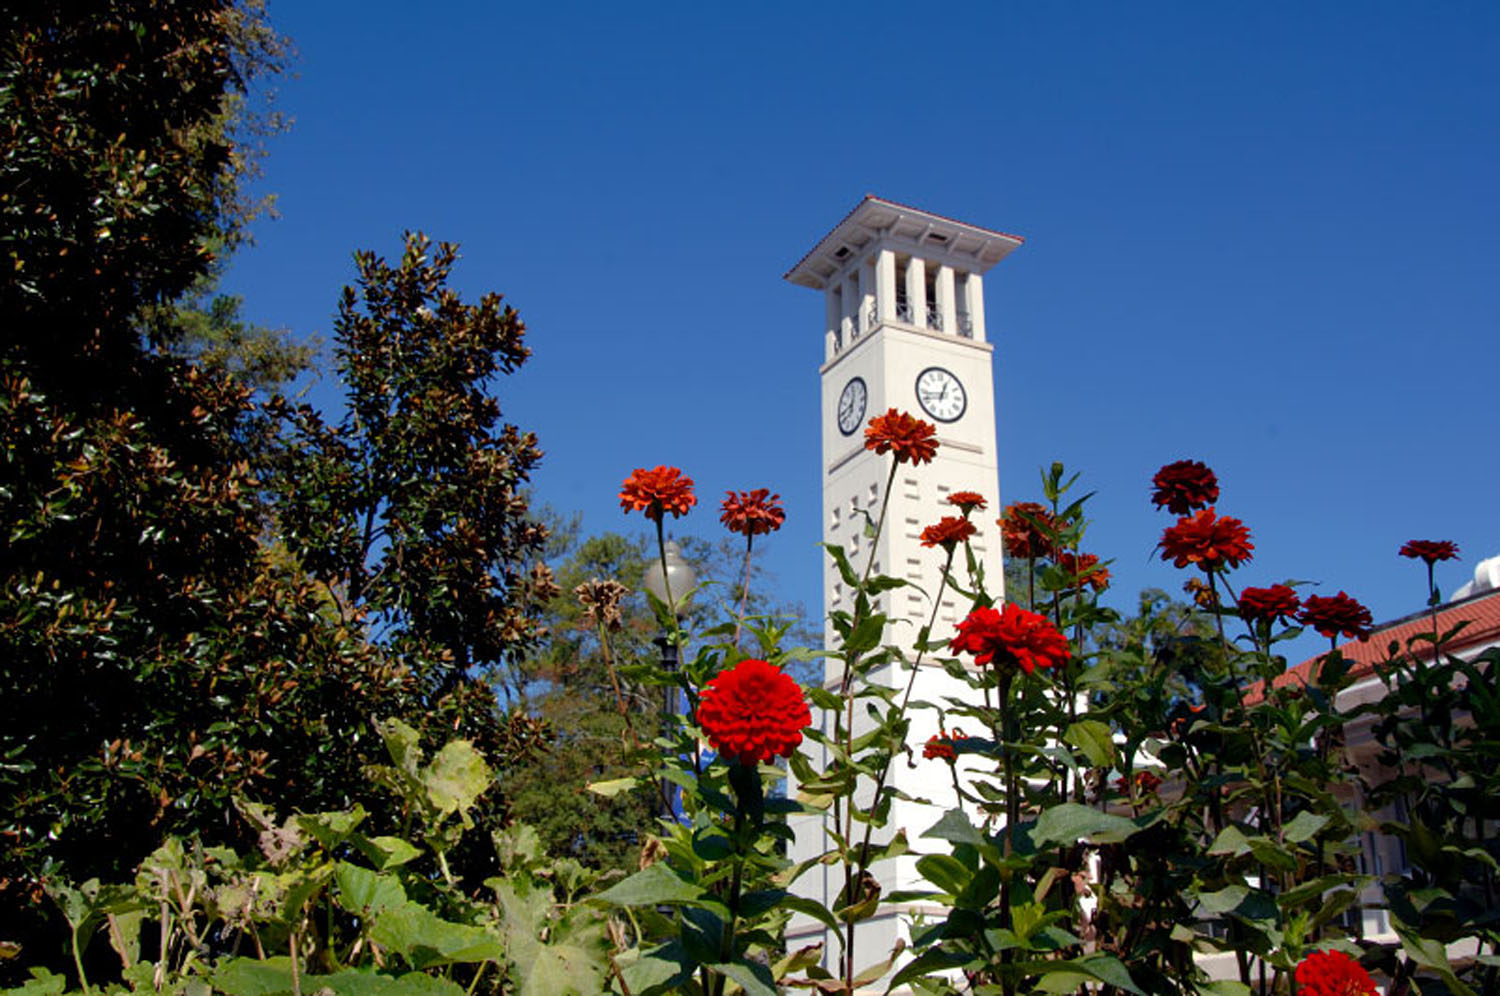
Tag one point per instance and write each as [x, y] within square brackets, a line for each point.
[679, 575]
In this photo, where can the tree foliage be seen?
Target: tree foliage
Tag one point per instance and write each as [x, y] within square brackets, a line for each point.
[162, 651]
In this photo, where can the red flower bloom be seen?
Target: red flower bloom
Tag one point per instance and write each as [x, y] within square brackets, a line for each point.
[1084, 570]
[1278, 602]
[967, 501]
[1430, 551]
[1027, 529]
[1336, 614]
[1012, 636]
[1333, 973]
[939, 746]
[1146, 782]
[1184, 486]
[664, 489]
[911, 439]
[752, 712]
[752, 513]
[948, 533]
[1207, 540]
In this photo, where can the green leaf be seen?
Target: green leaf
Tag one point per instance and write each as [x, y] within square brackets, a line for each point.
[753, 978]
[1303, 826]
[1223, 987]
[385, 852]
[1109, 970]
[1070, 822]
[426, 939]
[364, 892]
[456, 778]
[357, 982]
[661, 969]
[613, 787]
[946, 872]
[248, 977]
[41, 983]
[1223, 900]
[1095, 740]
[651, 886]
[1231, 840]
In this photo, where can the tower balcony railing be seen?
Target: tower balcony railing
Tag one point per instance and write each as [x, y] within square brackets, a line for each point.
[965, 325]
[934, 318]
[903, 312]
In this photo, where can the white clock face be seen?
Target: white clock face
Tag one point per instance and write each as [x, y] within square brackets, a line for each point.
[941, 395]
[852, 406]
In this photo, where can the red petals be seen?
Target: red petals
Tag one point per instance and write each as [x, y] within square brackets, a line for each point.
[752, 712]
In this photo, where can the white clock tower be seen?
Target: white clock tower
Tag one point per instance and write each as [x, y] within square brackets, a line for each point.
[905, 329]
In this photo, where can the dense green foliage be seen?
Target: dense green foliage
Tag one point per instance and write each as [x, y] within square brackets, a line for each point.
[169, 640]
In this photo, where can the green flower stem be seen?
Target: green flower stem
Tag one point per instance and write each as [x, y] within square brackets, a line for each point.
[863, 856]
[843, 731]
[739, 619]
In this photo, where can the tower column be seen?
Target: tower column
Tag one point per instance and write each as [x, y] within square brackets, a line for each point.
[851, 307]
[885, 285]
[974, 304]
[943, 290]
[834, 322]
[916, 291]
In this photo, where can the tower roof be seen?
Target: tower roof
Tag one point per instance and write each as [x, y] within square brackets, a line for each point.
[975, 249]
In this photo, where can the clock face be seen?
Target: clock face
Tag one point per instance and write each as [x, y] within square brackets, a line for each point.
[852, 406]
[941, 395]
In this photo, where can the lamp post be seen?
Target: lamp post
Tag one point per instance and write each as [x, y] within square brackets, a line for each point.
[671, 582]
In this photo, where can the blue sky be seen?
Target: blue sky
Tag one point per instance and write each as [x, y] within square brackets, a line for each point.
[1265, 236]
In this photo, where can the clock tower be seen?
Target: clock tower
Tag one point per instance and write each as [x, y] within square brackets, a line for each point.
[904, 328]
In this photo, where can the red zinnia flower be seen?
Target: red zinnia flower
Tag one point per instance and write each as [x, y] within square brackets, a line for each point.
[752, 712]
[752, 513]
[1430, 551]
[1027, 528]
[664, 489]
[1012, 636]
[1278, 602]
[1207, 540]
[1146, 782]
[1084, 570]
[1335, 614]
[948, 533]
[911, 439]
[939, 746]
[1184, 486]
[967, 501]
[1333, 973]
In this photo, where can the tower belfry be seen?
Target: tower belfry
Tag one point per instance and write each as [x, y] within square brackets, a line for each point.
[904, 328]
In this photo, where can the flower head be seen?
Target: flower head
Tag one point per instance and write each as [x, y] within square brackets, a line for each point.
[1146, 782]
[1333, 973]
[967, 501]
[1278, 602]
[1184, 486]
[941, 746]
[752, 513]
[1027, 529]
[911, 439]
[1207, 540]
[1205, 595]
[1083, 570]
[1011, 636]
[948, 533]
[1430, 551]
[601, 602]
[653, 492]
[752, 712]
[1335, 614]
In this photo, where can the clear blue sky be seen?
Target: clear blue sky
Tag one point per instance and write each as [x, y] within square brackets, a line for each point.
[1262, 235]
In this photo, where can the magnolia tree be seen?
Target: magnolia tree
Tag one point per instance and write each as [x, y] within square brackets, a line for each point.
[1133, 800]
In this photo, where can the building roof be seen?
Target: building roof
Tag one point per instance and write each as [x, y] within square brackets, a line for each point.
[973, 248]
[1481, 612]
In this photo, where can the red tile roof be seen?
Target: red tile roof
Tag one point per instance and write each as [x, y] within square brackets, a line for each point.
[1481, 612]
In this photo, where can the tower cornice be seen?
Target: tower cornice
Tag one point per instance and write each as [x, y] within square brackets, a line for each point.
[876, 222]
